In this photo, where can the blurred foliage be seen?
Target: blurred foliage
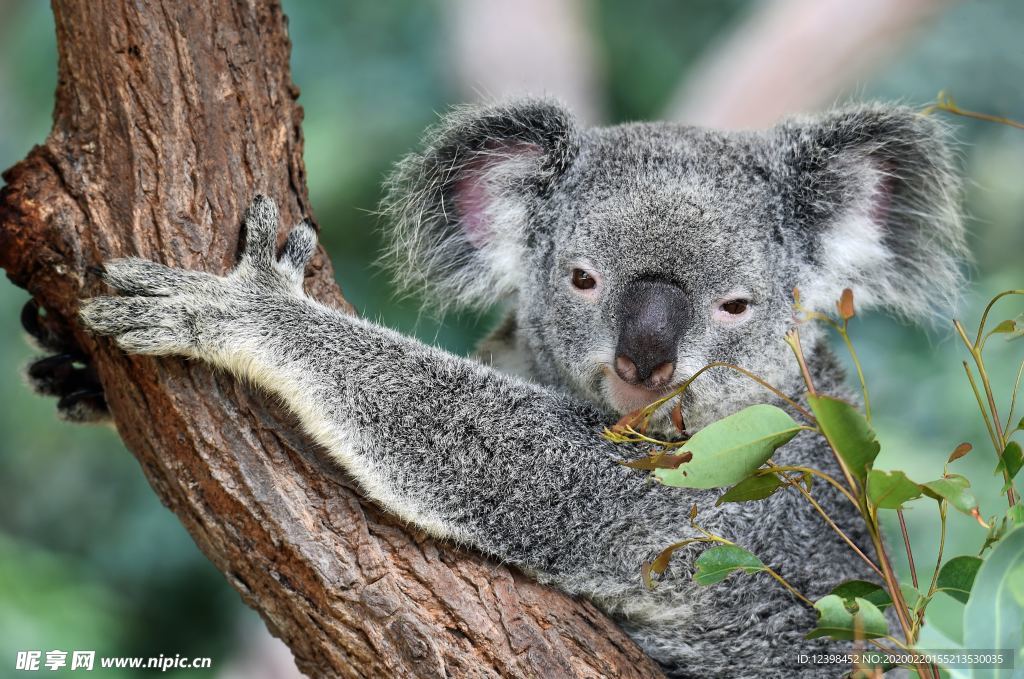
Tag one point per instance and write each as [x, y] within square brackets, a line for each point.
[123, 577]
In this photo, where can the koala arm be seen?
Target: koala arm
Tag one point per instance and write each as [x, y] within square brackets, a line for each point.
[452, 446]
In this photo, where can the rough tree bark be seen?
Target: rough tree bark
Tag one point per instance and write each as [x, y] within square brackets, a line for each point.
[169, 116]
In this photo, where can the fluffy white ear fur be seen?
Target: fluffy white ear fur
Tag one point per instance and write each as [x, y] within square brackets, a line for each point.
[853, 253]
[895, 235]
[459, 211]
[491, 202]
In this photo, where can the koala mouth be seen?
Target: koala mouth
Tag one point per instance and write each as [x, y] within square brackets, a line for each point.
[625, 397]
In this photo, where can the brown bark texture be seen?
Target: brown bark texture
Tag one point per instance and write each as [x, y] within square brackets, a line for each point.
[169, 117]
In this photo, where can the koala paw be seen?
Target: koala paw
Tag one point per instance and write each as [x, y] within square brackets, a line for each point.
[164, 310]
[65, 374]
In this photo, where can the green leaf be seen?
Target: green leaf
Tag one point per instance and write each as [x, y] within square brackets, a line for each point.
[994, 614]
[757, 487]
[1007, 326]
[889, 490]
[717, 563]
[911, 596]
[957, 575]
[1015, 514]
[729, 450]
[954, 489]
[837, 621]
[862, 589]
[848, 431]
[1011, 460]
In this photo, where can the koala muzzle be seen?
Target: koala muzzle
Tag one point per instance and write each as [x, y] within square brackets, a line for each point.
[653, 315]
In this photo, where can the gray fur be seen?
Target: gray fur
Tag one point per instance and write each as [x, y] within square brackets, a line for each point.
[515, 466]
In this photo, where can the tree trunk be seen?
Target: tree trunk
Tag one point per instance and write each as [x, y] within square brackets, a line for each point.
[169, 117]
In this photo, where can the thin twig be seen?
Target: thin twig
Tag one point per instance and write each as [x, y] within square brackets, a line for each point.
[906, 543]
[988, 308]
[836, 528]
[1013, 398]
[891, 581]
[814, 472]
[793, 340]
[949, 106]
[938, 563]
[681, 389]
[791, 588]
[981, 405]
[860, 372]
[999, 439]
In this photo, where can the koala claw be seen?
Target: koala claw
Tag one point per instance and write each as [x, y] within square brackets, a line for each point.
[84, 405]
[65, 372]
[165, 310]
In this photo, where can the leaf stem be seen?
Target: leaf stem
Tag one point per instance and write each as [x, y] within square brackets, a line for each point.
[981, 406]
[984, 316]
[832, 524]
[949, 106]
[906, 543]
[943, 506]
[1013, 398]
[793, 340]
[814, 472]
[856, 364]
[892, 583]
[792, 590]
[681, 389]
[994, 424]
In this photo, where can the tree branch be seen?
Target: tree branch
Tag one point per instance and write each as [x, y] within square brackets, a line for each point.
[169, 116]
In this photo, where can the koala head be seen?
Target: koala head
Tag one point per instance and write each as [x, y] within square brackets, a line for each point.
[634, 255]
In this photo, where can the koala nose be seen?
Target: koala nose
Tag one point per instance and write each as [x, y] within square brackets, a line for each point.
[653, 316]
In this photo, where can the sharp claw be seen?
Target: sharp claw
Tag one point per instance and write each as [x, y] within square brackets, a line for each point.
[30, 318]
[58, 365]
[75, 396]
[85, 405]
[45, 337]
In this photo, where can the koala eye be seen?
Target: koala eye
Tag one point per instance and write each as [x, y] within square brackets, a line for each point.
[581, 280]
[734, 307]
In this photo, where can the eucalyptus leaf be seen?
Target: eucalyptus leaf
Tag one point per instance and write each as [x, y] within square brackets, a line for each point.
[955, 489]
[727, 451]
[848, 431]
[717, 563]
[957, 576]
[1007, 326]
[994, 614]
[889, 490]
[757, 487]
[862, 589]
[837, 621]
[911, 596]
[1011, 460]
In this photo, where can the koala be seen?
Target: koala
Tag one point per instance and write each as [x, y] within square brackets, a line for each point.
[627, 258]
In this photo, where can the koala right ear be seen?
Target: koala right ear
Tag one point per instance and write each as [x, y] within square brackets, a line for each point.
[459, 212]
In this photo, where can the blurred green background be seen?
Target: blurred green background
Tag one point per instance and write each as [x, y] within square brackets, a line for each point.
[89, 559]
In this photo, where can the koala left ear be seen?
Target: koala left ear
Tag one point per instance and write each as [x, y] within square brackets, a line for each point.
[876, 206]
[460, 211]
